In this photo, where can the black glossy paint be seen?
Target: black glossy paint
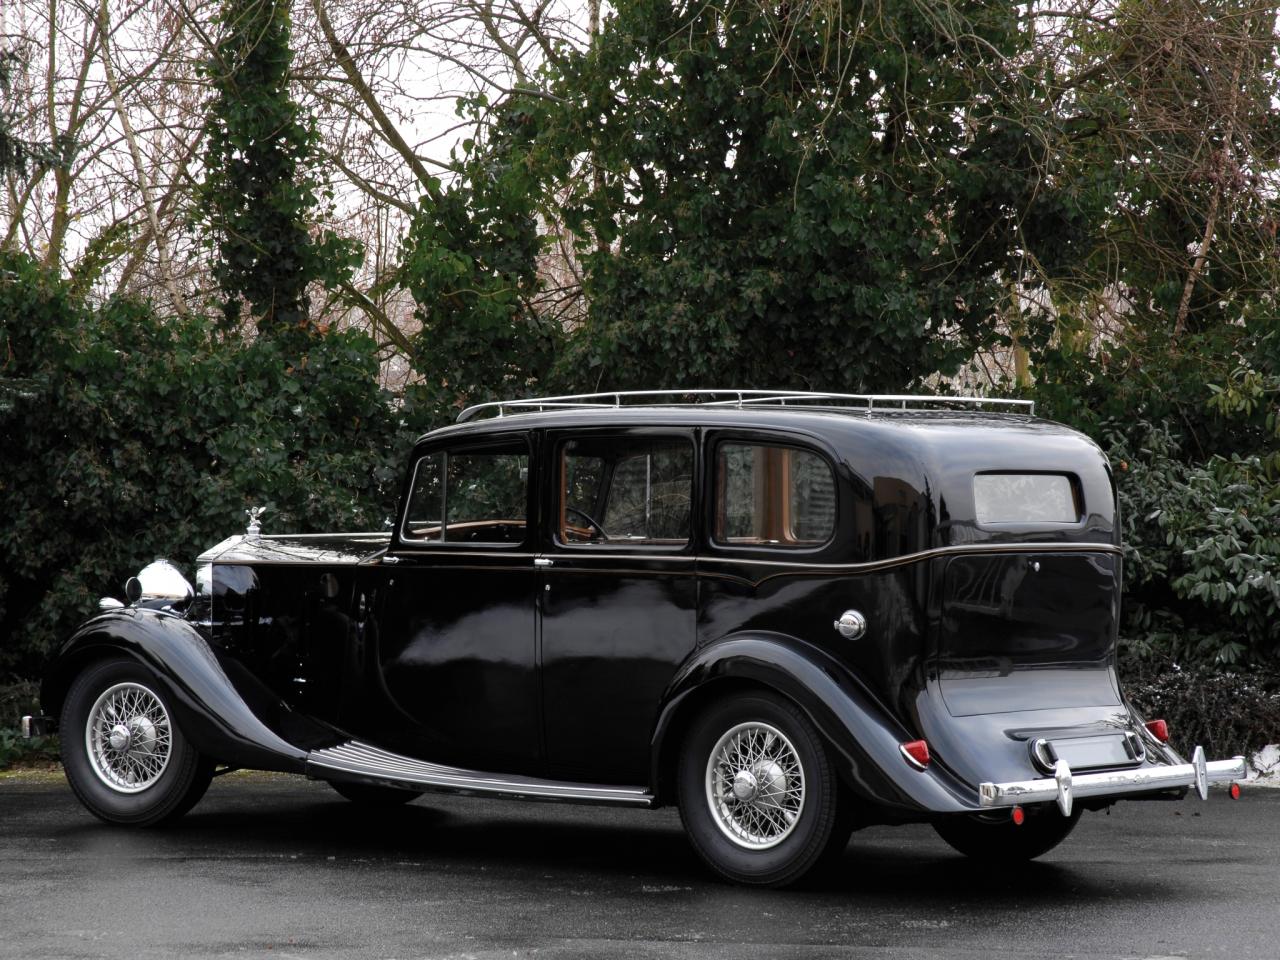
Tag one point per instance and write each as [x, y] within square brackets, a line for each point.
[587, 669]
[454, 660]
[616, 622]
[223, 710]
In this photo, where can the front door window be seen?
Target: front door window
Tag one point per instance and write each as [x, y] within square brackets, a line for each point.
[473, 495]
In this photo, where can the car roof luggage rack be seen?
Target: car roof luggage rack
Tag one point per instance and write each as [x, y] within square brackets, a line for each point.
[727, 398]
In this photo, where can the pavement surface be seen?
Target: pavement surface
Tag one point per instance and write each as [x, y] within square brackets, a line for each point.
[281, 867]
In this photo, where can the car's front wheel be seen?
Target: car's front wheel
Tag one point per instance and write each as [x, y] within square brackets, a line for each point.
[995, 838]
[758, 795]
[123, 753]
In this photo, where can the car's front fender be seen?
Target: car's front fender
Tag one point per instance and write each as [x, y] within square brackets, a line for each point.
[864, 737]
[212, 711]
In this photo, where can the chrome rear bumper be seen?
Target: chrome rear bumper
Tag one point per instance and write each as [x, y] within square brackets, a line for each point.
[1064, 786]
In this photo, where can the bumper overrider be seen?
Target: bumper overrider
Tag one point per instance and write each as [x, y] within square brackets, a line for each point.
[1064, 786]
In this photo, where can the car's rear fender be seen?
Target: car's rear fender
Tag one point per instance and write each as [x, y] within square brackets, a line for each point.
[212, 710]
[864, 737]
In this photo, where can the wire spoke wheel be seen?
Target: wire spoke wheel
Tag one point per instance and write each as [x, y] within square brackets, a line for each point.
[128, 738]
[755, 785]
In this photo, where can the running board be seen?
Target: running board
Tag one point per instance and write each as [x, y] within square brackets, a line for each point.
[359, 760]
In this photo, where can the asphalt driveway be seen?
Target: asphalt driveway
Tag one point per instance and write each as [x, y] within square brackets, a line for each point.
[281, 867]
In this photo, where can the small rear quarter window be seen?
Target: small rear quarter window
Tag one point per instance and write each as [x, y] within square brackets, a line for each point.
[773, 496]
[1026, 498]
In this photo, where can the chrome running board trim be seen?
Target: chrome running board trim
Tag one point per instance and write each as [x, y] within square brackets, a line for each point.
[361, 760]
[1064, 786]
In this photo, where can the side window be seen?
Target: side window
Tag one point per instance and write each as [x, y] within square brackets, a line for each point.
[625, 490]
[773, 496]
[472, 495]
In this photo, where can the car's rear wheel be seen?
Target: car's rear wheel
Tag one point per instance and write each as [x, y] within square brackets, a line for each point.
[124, 755]
[758, 795]
[372, 795]
[995, 838]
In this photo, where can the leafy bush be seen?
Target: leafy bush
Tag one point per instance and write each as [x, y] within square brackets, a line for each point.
[1202, 550]
[15, 701]
[126, 436]
[1228, 714]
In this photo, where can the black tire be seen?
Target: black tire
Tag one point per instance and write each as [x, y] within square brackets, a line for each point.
[995, 838]
[818, 832]
[372, 795]
[178, 788]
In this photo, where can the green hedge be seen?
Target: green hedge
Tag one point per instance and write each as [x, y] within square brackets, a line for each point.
[126, 436]
[1226, 713]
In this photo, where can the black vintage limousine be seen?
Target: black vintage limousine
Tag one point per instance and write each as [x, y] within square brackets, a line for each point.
[788, 614]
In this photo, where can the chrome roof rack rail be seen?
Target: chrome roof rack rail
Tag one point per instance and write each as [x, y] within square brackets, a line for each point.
[725, 398]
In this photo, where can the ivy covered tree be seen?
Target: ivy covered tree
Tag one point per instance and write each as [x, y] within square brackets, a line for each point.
[260, 187]
[15, 151]
[794, 195]
[470, 260]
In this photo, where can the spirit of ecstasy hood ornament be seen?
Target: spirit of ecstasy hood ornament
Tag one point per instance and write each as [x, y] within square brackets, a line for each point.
[255, 515]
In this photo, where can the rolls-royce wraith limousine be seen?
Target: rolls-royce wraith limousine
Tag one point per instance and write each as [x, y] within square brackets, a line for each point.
[788, 614]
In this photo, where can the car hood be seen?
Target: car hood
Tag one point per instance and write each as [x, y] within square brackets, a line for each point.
[328, 548]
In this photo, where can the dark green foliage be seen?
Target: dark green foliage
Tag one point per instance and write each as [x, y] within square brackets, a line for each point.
[1228, 714]
[469, 260]
[1203, 551]
[126, 437]
[790, 196]
[259, 187]
[15, 152]
[804, 196]
[16, 701]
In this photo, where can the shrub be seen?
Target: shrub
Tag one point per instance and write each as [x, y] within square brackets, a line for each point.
[1202, 551]
[126, 436]
[15, 701]
[1226, 713]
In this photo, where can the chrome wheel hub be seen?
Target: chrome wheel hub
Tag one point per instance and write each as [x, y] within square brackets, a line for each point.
[755, 785]
[745, 786]
[128, 738]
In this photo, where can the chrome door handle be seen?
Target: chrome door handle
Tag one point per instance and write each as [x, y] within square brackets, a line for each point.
[543, 562]
[851, 624]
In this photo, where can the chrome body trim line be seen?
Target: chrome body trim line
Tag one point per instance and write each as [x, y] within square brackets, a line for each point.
[866, 565]
[1064, 786]
[362, 760]
[727, 397]
[905, 558]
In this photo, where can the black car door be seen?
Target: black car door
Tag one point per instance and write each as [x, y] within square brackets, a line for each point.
[455, 651]
[619, 593]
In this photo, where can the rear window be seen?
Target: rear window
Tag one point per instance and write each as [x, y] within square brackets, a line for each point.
[1026, 498]
[773, 496]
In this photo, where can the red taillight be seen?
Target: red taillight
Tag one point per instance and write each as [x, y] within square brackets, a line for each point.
[1159, 729]
[917, 753]
[1019, 816]
[1235, 791]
